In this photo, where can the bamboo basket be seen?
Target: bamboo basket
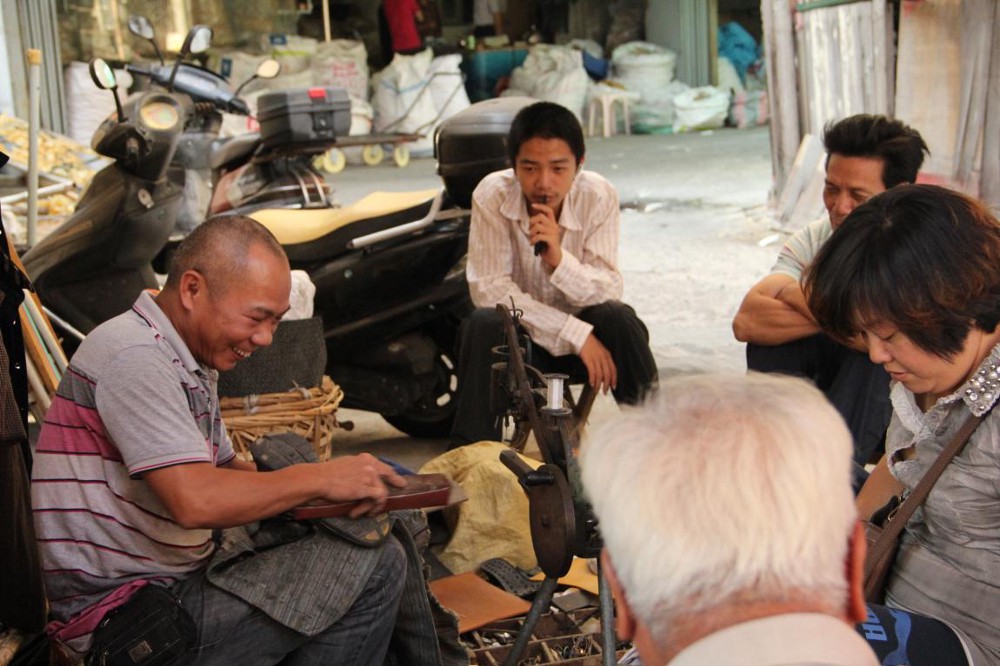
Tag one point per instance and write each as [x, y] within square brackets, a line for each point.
[311, 413]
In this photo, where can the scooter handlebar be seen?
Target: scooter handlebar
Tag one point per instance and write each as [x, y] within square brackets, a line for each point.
[201, 85]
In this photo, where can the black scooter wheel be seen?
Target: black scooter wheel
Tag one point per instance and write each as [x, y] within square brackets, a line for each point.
[432, 416]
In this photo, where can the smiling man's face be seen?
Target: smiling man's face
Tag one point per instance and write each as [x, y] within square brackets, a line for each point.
[239, 314]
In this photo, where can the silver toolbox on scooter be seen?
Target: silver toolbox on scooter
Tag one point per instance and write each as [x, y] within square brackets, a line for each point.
[303, 115]
[473, 143]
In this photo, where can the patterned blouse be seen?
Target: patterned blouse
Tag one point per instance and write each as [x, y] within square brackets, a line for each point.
[949, 561]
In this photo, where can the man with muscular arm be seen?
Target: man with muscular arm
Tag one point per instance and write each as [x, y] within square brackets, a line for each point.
[866, 155]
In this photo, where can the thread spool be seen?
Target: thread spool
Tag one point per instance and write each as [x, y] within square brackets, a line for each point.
[554, 399]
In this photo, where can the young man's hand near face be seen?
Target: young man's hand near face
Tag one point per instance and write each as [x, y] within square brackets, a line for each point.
[544, 234]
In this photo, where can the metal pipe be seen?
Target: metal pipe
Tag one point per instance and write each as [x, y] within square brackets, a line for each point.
[821, 4]
[401, 230]
[42, 192]
[63, 324]
[34, 118]
[540, 604]
[608, 657]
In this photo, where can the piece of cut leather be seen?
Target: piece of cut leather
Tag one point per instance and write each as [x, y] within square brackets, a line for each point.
[421, 491]
[476, 602]
[579, 576]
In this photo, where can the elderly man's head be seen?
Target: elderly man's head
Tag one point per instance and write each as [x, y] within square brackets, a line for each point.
[723, 494]
[228, 287]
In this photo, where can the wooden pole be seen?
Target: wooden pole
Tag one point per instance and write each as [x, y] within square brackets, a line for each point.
[989, 189]
[782, 95]
[326, 19]
[34, 57]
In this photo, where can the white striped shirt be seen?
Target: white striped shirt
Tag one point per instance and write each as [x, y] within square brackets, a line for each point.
[502, 264]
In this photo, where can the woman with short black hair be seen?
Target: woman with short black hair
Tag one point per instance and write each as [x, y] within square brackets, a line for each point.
[915, 272]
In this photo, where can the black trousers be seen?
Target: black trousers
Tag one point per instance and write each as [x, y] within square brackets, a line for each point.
[615, 324]
[858, 388]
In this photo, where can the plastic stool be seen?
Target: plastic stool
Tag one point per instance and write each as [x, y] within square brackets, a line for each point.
[606, 104]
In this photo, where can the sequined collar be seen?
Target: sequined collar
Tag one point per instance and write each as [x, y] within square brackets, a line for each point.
[983, 388]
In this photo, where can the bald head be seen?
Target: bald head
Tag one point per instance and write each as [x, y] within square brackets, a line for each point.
[220, 248]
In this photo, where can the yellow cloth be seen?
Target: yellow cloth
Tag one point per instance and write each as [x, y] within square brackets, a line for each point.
[494, 521]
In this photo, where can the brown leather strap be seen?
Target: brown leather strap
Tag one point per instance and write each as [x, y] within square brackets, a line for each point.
[892, 529]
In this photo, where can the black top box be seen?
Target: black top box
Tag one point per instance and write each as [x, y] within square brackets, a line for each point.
[473, 144]
[303, 115]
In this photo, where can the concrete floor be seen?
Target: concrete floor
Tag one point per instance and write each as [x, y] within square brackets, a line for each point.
[694, 215]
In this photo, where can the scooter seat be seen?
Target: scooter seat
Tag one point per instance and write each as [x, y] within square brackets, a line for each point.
[234, 149]
[314, 233]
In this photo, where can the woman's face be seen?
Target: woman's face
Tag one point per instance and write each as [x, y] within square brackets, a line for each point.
[921, 371]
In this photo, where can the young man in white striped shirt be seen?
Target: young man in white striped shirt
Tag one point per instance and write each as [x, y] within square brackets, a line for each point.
[545, 234]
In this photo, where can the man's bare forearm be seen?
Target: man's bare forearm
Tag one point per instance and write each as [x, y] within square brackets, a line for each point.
[768, 321]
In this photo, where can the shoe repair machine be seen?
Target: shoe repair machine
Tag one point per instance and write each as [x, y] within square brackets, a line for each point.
[562, 522]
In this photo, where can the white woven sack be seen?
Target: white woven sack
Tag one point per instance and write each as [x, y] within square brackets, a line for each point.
[342, 63]
[700, 108]
[402, 100]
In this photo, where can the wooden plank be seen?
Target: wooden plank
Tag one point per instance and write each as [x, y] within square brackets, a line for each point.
[808, 158]
[989, 189]
[46, 361]
[928, 78]
[881, 72]
[977, 31]
[36, 352]
[41, 402]
[842, 56]
[810, 206]
[783, 93]
[38, 302]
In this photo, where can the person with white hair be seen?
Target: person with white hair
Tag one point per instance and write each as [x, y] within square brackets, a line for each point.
[729, 524]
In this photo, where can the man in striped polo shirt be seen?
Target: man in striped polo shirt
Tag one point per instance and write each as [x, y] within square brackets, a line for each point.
[134, 469]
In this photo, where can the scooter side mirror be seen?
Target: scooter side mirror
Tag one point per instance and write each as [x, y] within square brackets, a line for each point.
[102, 74]
[267, 69]
[198, 40]
[105, 79]
[141, 27]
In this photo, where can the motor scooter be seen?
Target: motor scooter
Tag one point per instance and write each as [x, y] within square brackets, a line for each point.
[388, 270]
[253, 174]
